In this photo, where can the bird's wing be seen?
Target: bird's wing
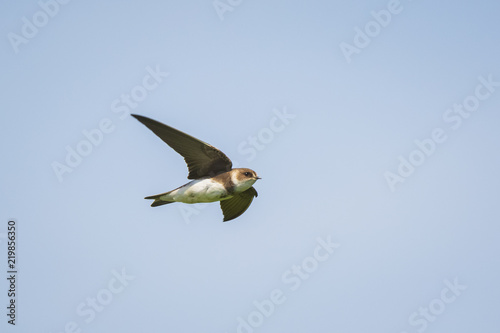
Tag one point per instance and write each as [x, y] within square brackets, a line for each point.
[201, 158]
[238, 204]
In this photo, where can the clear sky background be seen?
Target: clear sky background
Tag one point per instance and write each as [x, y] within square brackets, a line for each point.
[379, 138]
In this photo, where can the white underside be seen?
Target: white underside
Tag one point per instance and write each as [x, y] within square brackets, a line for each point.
[200, 190]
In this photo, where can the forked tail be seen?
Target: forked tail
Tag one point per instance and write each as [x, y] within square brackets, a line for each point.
[157, 199]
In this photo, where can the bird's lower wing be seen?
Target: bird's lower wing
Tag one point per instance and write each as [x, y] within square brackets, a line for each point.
[238, 204]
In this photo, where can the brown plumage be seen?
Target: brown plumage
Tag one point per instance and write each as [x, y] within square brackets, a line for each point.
[214, 179]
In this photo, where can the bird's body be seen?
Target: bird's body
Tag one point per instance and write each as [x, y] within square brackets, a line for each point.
[196, 191]
[214, 178]
[207, 189]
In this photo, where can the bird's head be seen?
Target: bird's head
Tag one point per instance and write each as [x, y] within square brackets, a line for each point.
[243, 178]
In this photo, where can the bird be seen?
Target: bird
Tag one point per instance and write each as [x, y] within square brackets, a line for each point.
[210, 170]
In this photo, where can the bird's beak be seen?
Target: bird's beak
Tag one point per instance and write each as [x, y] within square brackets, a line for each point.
[258, 177]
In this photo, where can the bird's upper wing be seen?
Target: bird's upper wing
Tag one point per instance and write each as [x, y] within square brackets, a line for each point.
[202, 159]
[238, 204]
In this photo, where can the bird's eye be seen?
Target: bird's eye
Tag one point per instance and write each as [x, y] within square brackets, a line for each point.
[248, 174]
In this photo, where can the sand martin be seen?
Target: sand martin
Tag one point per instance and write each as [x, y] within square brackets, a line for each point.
[214, 178]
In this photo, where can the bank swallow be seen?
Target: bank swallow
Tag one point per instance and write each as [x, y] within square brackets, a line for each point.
[214, 179]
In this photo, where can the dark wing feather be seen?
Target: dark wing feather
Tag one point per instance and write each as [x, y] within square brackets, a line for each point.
[201, 158]
[238, 204]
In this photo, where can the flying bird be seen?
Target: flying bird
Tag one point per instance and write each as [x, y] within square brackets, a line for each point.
[211, 171]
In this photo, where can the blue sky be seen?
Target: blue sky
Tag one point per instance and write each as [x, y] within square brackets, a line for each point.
[378, 208]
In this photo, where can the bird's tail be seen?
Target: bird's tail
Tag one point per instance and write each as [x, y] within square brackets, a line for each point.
[157, 199]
